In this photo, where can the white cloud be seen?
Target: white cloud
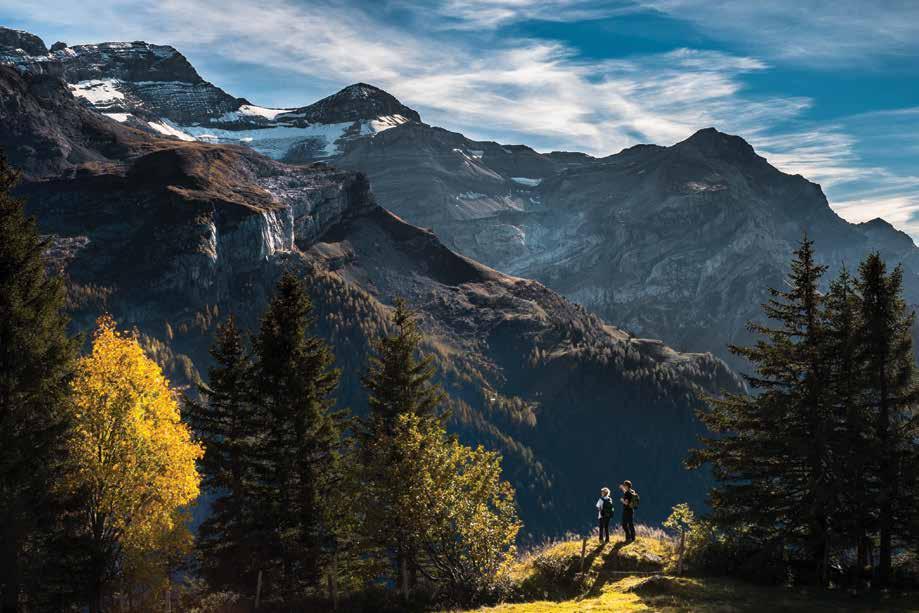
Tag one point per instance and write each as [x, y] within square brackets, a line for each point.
[821, 33]
[900, 211]
[490, 14]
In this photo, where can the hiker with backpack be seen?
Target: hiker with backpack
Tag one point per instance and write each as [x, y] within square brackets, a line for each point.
[630, 501]
[604, 514]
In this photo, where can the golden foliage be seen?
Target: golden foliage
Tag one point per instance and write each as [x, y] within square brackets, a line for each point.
[133, 456]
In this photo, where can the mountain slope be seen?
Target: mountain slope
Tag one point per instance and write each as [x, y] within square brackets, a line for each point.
[677, 242]
[169, 236]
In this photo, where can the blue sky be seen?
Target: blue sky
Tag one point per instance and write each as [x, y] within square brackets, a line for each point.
[826, 89]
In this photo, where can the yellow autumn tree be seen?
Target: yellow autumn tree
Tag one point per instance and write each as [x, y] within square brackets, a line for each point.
[134, 460]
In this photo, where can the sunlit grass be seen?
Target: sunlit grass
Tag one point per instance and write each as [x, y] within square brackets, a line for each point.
[618, 577]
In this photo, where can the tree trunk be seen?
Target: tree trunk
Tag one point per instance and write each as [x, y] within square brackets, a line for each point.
[679, 570]
[10, 603]
[885, 551]
[887, 487]
[861, 554]
[333, 581]
[11, 584]
[403, 572]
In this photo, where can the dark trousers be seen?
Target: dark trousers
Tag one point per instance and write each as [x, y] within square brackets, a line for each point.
[628, 524]
[604, 528]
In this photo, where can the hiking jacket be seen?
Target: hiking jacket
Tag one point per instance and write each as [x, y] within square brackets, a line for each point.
[600, 506]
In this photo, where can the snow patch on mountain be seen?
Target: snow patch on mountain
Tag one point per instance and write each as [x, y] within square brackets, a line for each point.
[248, 111]
[101, 93]
[276, 141]
[385, 122]
[165, 128]
[526, 181]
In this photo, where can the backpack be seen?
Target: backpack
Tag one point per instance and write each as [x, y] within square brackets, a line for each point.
[636, 500]
[607, 510]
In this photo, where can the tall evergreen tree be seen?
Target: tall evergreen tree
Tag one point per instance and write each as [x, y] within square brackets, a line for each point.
[399, 384]
[891, 393]
[770, 454]
[300, 437]
[36, 361]
[224, 420]
[398, 381]
[849, 441]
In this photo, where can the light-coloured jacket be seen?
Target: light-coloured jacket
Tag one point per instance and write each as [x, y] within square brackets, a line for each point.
[600, 506]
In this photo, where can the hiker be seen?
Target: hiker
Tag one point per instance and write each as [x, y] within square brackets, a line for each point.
[630, 501]
[604, 514]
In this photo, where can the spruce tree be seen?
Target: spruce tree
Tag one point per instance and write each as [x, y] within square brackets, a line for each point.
[300, 438]
[891, 393]
[399, 383]
[850, 449]
[224, 420]
[36, 362]
[770, 451]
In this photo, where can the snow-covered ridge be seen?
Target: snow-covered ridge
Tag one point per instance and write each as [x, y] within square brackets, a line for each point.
[153, 87]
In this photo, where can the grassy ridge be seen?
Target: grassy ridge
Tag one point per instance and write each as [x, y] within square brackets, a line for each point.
[638, 577]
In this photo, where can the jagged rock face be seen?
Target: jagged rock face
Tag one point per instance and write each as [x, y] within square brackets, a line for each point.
[45, 134]
[170, 236]
[17, 39]
[192, 230]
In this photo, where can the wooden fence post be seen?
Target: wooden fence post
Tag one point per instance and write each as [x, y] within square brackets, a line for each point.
[583, 552]
[258, 590]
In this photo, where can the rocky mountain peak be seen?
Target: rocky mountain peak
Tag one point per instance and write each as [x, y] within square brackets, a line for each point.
[18, 39]
[881, 232]
[357, 102]
[711, 143]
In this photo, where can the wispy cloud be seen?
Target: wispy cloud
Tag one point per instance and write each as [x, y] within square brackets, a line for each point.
[821, 33]
[490, 14]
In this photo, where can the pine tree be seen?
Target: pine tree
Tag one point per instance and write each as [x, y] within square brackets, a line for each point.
[770, 454]
[224, 420]
[36, 361]
[300, 438]
[852, 459]
[891, 393]
[399, 384]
